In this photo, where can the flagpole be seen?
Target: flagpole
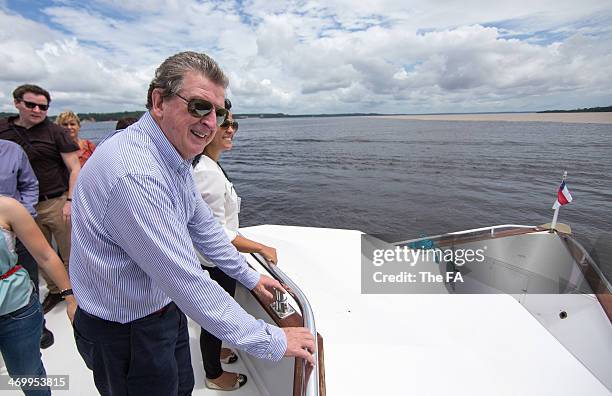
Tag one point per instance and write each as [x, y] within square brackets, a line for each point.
[554, 220]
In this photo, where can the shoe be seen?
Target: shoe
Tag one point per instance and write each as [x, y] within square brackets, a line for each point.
[230, 357]
[51, 301]
[46, 338]
[241, 379]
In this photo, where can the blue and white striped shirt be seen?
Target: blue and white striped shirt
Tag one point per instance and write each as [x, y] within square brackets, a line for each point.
[136, 217]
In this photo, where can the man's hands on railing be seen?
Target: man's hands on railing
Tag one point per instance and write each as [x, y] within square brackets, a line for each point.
[265, 289]
[300, 343]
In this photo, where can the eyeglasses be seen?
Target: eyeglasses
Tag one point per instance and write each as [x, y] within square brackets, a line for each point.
[227, 123]
[32, 105]
[200, 108]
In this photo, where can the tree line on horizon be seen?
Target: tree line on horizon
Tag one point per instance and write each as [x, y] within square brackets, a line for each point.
[100, 117]
[94, 116]
[584, 110]
[137, 114]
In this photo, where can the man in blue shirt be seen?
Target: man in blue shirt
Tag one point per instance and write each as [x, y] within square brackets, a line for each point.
[137, 216]
[17, 179]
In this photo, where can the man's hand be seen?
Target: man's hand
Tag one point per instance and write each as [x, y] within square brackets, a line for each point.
[300, 343]
[67, 211]
[265, 288]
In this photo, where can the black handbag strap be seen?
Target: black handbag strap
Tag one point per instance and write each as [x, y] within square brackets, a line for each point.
[224, 173]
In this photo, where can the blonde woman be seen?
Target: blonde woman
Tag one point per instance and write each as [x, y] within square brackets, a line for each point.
[72, 123]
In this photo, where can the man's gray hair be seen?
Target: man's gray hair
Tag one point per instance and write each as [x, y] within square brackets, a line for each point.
[169, 75]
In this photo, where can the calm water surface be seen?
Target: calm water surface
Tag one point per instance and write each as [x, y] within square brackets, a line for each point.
[417, 177]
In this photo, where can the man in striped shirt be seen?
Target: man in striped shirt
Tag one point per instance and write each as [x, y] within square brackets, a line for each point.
[137, 216]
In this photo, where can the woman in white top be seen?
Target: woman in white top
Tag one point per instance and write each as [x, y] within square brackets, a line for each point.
[219, 193]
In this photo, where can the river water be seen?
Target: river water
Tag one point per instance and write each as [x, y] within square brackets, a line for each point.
[416, 178]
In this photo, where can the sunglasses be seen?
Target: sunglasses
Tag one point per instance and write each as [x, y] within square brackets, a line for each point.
[200, 108]
[227, 123]
[32, 105]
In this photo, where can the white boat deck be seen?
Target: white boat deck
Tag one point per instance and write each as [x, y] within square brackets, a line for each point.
[419, 344]
[387, 344]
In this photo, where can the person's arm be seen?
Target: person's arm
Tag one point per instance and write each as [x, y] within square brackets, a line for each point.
[30, 235]
[211, 185]
[246, 245]
[144, 221]
[27, 184]
[217, 247]
[71, 160]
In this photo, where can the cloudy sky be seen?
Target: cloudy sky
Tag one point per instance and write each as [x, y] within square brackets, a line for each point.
[388, 56]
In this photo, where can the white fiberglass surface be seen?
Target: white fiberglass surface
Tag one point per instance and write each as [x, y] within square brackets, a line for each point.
[419, 344]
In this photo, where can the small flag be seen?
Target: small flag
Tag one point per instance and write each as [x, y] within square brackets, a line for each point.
[563, 196]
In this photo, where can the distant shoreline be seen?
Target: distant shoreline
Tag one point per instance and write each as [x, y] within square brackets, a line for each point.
[549, 116]
[577, 118]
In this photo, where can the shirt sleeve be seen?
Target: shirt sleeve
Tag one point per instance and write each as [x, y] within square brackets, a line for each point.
[211, 186]
[27, 184]
[216, 246]
[144, 222]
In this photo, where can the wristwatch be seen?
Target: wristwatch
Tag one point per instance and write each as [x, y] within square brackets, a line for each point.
[65, 293]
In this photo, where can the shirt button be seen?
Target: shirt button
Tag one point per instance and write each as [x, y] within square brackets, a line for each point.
[269, 356]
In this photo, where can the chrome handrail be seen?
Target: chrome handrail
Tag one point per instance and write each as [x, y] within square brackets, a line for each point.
[491, 228]
[309, 388]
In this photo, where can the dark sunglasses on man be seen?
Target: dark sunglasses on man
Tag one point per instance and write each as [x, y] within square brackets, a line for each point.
[200, 108]
[32, 105]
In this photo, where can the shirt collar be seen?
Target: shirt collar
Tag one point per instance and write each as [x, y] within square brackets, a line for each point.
[165, 148]
[11, 120]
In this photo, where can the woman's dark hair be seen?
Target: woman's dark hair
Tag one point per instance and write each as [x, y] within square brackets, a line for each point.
[125, 122]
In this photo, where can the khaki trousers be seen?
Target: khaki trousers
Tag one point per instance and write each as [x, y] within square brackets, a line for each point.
[51, 222]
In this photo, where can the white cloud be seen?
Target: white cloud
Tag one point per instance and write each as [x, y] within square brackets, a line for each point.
[332, 56]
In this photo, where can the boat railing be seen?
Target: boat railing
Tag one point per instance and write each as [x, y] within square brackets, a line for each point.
[491, 229]
[586, 260]
[310, 378]
[595, 277]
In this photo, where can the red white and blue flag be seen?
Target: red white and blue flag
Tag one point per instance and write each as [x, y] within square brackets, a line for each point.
[563, 196]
